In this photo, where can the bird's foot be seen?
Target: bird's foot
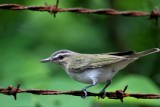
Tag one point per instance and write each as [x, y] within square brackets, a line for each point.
[102, 94]
[84, 95]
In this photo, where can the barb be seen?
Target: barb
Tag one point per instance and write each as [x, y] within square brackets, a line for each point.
[119, 94]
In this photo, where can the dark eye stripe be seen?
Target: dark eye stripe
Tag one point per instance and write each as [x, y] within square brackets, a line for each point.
[61, 57]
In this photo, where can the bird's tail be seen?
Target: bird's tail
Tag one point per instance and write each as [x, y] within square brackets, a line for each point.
[146, 52]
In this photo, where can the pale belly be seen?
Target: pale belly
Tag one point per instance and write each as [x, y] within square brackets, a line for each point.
[98, 75]
[94, 75]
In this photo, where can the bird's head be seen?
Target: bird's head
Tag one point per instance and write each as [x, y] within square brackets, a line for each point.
[61, 57]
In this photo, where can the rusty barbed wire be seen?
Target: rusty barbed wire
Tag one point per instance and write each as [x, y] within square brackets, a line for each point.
[55, 9]
[119, 94]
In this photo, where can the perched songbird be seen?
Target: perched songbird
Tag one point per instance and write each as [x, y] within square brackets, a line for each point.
[95, 68]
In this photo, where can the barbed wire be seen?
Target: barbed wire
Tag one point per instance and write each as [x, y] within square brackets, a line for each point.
[119, 94]
[54, 9]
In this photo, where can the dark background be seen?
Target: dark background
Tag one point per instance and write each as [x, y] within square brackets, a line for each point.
[26, 37]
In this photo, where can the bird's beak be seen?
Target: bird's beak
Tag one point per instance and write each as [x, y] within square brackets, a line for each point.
[45, 60]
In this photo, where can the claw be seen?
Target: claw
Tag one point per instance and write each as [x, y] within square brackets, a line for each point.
[85, 90]
[102, 94]
[84, 94]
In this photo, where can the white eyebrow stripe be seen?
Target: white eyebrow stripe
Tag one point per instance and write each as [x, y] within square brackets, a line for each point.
[62, 54]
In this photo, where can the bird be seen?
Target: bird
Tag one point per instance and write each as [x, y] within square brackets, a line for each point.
[95, 68]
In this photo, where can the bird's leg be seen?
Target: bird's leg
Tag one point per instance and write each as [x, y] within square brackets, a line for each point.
[103, 92]
[85, 89]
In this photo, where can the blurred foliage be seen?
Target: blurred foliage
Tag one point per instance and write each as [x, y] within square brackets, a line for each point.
[26, 37]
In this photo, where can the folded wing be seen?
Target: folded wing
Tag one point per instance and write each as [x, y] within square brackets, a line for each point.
[94, 61]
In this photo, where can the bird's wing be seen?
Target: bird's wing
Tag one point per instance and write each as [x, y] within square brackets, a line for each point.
[94, 61]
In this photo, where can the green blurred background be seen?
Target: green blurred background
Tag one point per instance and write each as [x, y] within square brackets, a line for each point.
[26, 37]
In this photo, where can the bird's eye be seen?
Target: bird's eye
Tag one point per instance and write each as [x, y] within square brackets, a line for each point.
[60, 57]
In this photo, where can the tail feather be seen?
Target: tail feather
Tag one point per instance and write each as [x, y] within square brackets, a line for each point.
[146, 52]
